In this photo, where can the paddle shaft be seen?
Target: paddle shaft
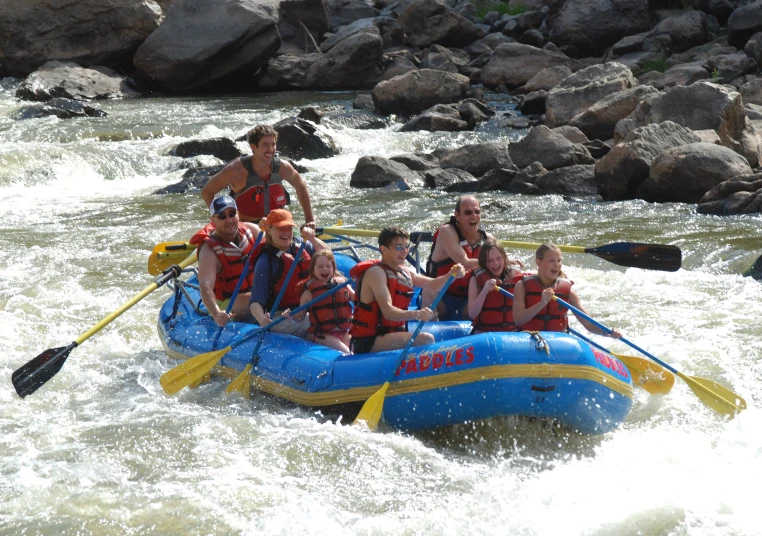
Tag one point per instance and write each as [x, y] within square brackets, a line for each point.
[418, 328]
[295, 311]
[243, 274]
[30, 377]
[630, 254]
[278, 299]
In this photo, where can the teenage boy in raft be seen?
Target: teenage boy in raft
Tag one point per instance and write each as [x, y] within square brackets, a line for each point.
[383, 293]
[534, 308]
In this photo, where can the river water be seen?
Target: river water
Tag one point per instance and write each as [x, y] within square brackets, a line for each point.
[100, 449]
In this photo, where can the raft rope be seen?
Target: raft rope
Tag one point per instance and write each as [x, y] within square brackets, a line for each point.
[539, 343]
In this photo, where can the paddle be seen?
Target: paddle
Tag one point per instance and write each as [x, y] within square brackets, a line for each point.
[371, 411]
[197, 367]
[662, 257]
[645, 374]
[167, 254]
[30, 377]
[241, 383]
[712, 394]
[650, 376]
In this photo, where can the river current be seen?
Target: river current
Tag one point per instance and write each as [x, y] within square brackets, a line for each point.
[101, 450]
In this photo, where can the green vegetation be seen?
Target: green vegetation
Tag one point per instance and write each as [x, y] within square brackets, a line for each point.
[500, 7]
[659, 65]
[715, 75]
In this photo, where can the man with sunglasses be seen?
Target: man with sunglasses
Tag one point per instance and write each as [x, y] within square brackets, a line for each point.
[457, 241]
[256, 181]
[222, 257]
[384, 291]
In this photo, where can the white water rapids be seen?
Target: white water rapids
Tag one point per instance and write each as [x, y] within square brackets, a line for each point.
[101, 450]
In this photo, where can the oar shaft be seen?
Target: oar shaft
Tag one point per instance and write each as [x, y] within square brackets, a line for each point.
[298, 310]
[609, 331]
[160, 281]
[418, 328]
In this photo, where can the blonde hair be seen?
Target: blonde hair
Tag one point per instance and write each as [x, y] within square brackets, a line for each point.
[545, 248]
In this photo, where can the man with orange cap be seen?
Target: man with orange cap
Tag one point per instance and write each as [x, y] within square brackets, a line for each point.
[272, 266]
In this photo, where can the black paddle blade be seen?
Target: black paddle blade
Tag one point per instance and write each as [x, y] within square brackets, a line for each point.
[647, 256]
[39, 370]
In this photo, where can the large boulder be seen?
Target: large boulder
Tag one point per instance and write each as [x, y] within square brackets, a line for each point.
[478, 158]
[686, 30]
[513, 64]
[299, 138]
[88, 32]
[204, 43]
[355, 62]
[684, 174]
[438, 118]
[578, 92]
[571, 180]
[549, 148]
[591, 26]
[700, 106]
[69, 80]
[427, 22]
[376, 172]
[413, 92]
[620, 172]
[744, 22]
[601, 118]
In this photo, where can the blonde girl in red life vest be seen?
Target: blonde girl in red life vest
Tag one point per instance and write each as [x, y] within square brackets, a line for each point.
[534, 308]
[489, 309]
[331, 318]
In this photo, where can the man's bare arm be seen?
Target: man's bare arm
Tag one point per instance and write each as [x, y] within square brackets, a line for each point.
[231, 175]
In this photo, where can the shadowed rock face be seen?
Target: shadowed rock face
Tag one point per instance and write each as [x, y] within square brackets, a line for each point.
[88, 32]
[756, 270]
[201, 42]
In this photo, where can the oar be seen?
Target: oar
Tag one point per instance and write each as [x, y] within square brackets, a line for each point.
[662, 257]
[167, 254]
[714, 395]
[197, 367]
[241, 382]
[30, 377]
[650, 376]
[371, 411]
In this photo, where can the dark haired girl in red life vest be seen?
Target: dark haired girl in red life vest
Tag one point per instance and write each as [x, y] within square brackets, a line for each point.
[534, 308]
[331, 318]
[489, 309]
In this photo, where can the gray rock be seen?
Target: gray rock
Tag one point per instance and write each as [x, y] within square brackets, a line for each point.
[450, 180]
[684, 174]
[549, 148]
[376, 172]
[440, 117]
[70, 81]
[571, 180]
[478, 159]
[417, 161]
[298, 138]
[223, 148]
[416, 91]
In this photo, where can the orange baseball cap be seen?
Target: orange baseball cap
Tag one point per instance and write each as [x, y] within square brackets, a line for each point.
[279, 218]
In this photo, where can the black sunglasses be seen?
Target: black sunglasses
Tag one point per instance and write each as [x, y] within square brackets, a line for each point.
[469, 212]
[226, 215]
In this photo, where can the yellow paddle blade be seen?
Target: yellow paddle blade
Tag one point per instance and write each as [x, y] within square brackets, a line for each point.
[370, 413]
[166, 254]
[241, 383]
[714, 395]
[191, 371]
[646, 374]
[205, 378]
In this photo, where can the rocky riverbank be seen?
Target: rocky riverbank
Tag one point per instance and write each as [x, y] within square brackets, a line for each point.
[659, 101]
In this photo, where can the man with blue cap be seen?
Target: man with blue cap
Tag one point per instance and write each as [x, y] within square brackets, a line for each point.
[222, 257]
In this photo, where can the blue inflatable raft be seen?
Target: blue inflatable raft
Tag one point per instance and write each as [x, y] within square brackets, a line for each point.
[457, 379]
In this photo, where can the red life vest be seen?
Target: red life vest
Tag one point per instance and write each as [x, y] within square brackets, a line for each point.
[497, 310]
[295, 286]
[331, 314]
[368, 321]
[259, 196]
[232, 256]
[459, 287]
[553, 316]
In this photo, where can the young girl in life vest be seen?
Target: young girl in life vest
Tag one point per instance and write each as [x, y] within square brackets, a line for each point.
[491, 310]
[331, 318]
[534, 308]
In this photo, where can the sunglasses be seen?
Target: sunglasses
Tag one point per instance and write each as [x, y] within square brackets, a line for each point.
[226, 215]
[469, 212]
[401, 247]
